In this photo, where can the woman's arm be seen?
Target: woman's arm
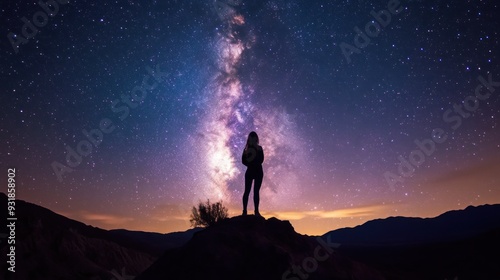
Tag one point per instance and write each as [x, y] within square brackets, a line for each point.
[244, 158]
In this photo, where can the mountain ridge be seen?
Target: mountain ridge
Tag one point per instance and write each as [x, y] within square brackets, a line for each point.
[53, 246]
[448, 226]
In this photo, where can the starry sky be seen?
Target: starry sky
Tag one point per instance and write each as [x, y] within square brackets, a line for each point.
[125, 114]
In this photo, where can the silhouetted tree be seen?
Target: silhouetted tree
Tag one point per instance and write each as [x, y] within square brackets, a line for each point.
[208, 214]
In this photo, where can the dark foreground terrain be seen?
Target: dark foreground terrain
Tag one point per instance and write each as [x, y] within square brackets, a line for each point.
[463, 244]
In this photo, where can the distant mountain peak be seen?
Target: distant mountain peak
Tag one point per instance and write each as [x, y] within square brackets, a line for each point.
[449, 226]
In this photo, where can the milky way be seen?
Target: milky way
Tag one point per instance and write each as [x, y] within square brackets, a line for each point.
[330, 129]
[232, 115]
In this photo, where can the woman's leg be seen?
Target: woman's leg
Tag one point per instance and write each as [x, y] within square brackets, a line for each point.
[248, 186]
[256, 189]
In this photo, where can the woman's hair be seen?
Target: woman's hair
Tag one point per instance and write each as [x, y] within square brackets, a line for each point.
[254, 135]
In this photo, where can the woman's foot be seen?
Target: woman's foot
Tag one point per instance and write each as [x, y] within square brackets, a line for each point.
[257, 213]
[244, 213]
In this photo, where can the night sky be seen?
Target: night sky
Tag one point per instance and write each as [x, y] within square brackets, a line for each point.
[125, 114]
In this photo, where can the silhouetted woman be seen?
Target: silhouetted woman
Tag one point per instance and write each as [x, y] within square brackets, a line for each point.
[252, 158]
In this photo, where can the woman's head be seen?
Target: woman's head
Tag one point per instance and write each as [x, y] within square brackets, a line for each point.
[253, 138]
